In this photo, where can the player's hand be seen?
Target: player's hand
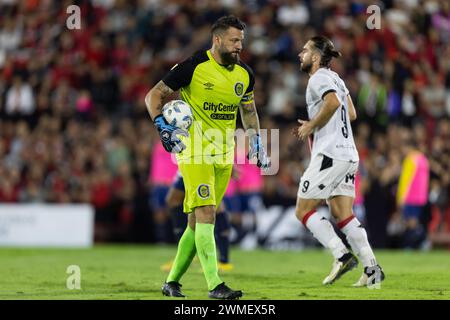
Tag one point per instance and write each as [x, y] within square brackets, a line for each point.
[168, 135]
[257, 151]
[305, 129]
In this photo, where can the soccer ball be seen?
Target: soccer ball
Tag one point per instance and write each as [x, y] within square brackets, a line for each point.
[178, 113]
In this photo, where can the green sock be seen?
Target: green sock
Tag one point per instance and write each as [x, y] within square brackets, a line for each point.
[206, 248]
[185, 254]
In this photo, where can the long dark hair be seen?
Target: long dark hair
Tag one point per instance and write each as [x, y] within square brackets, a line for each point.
[326, 49]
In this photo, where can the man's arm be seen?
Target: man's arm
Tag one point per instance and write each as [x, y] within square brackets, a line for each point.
[154, 100]
[351, 109]
[249, 116]
[330, 105]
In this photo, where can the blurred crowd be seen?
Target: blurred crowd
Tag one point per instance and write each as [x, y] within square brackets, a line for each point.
[74, 127]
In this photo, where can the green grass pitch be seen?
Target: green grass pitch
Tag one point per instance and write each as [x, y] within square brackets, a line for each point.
[132, 272]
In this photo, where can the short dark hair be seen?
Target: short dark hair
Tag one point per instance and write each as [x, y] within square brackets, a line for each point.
[326, 49]
[223, 23]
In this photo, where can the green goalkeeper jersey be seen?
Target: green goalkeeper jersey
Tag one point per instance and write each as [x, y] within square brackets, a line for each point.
[214, 93]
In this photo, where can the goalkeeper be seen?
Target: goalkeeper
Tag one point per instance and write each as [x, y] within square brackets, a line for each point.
[215, 83]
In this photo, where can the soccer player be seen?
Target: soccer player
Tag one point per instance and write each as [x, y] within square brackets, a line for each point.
[161, 174]
[249, 188]
[334, 161]
[412, 193]
[215, 83]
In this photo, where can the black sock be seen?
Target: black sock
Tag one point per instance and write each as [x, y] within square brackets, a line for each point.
[221, 232]
[179, 221]
[239, 229]
[412, 238]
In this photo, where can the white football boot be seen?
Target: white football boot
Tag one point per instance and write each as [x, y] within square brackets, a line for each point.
[371, 278]
[341, 266]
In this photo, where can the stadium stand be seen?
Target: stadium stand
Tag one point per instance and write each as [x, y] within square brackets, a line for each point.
[74, 128]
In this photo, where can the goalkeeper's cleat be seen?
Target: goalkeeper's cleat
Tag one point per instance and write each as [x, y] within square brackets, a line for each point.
[341, 266]
[172, 289]
[225, 266]
[370, 277]
[223, 292]
[166, 267]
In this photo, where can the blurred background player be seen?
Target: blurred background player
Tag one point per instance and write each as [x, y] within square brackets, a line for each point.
[232, 203]
[360, 186]
[334, 161]
[249, 185]
[412, 194]
[174, 201]
[162, 173]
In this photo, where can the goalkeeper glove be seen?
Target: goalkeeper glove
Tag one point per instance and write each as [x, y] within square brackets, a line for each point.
[257, 151]
[168, 135]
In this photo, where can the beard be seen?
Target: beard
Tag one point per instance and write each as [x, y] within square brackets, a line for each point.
[306, 67]
[229, 57]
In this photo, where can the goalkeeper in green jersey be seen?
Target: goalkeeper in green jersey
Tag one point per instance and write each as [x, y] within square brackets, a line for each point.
[215, 83]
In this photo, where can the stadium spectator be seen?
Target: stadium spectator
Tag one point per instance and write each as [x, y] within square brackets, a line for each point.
[19, 99]
[83, 77]
[440, 179]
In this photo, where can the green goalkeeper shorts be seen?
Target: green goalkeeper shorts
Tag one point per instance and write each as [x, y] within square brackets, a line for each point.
[204, 184]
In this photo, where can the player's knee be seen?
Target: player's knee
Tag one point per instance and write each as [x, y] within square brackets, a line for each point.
[303, 214]
[174, 198]
[169, 197]
[236, 218]
[205, 214]
[170, 201]
[299, 214]
[191, 221]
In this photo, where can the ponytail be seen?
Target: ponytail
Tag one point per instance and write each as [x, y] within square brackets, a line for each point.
[336, 54]
[326, 50]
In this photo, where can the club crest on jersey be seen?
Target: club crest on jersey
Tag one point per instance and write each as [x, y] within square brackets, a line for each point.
[239, 89]
[203, 191]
